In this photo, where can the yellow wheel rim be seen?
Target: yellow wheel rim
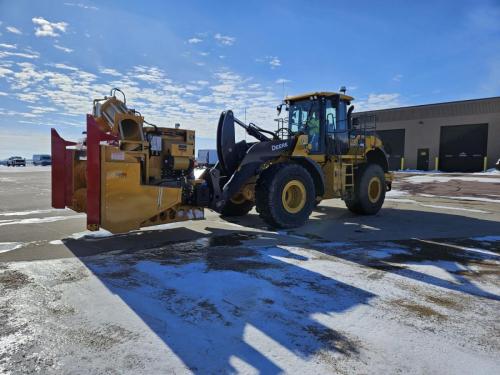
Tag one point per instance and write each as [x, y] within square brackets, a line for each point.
[374, 189]
[238, 199]
[294, 196]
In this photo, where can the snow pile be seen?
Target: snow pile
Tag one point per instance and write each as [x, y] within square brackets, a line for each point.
[101, 233]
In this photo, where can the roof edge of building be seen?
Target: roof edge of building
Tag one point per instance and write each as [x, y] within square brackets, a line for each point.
[429, 105]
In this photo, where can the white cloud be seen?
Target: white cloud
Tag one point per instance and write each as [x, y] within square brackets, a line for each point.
[3, 93]
[30, 55]
[397, 77]
[204, 53]
[46, 28]
[274, 62]
[379, 101]
[196, 104]
[280, 81]
[4, 72]
[195, 40]
[83, 6]
[64, 49]
[225, 39]
[64, 66]
[8, 46]
[13, 30]
[111, 72]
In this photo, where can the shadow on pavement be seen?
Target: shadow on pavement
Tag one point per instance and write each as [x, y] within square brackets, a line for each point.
[214, 297]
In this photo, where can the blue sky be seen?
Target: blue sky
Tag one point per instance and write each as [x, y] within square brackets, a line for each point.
[185, 61]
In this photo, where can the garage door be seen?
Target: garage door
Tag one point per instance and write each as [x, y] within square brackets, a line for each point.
[394, 146]
[463, 147]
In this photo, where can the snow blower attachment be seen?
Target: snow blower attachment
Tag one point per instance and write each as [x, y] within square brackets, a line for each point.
[128, 173]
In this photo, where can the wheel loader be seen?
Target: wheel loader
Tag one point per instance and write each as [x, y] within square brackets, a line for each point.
[128, 173]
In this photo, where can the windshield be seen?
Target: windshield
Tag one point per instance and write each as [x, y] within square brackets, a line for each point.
[302, 113]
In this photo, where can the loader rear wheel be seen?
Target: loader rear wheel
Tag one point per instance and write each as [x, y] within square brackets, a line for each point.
[285, 195]
[369, 190]
[236, 208]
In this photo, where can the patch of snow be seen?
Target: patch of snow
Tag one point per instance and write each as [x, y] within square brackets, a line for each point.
[462, 198]
[491, 171]
[431, 179]
[56, 242]
[9, 246]
[363, 226]
[90, 234]
[454, 208]
[32, 168]
[39, 220]
[486, 238]
[417, 171]
[381, 253]
[396, 193]
[25, 213]
[400, 200]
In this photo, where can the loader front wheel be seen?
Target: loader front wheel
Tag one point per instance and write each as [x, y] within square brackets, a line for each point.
[236, 207]
[369, 190]
[285, 195]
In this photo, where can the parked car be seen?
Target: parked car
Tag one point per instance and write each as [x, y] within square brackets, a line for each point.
[497, 165]
[42, 160]
[16, 161]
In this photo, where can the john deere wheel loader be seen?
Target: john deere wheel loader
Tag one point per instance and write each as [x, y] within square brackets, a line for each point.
[128, 173]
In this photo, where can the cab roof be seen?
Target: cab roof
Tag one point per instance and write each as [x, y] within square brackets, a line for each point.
[307, 95]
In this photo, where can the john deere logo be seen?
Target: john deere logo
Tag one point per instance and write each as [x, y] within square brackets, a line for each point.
[279, 147]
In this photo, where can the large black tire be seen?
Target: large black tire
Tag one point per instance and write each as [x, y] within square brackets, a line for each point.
[236, 209]
[285, 195]
[369, 190]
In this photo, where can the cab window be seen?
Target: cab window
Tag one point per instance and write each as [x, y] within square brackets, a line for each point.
[335, 116]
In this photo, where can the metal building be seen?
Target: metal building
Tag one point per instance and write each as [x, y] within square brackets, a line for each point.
[461, 136]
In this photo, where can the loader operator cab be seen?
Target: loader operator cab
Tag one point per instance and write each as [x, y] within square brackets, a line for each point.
[323, 117]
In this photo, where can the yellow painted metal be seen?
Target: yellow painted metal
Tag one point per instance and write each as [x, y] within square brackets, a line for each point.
[293, 196]
[127, 204]
[436, 163]
[318, 93]
[402, 163]
[374, 189]
[181, 163]
[302, 146]
[177, 149]
[334, 179]
[485, 163]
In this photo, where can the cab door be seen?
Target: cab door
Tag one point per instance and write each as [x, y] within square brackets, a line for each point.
[335, 119]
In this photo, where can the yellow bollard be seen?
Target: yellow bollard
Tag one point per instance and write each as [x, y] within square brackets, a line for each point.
[402, 163]
[485, 163]
[436, 163]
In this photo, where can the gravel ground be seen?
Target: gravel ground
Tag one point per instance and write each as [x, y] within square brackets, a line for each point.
[414, 289]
